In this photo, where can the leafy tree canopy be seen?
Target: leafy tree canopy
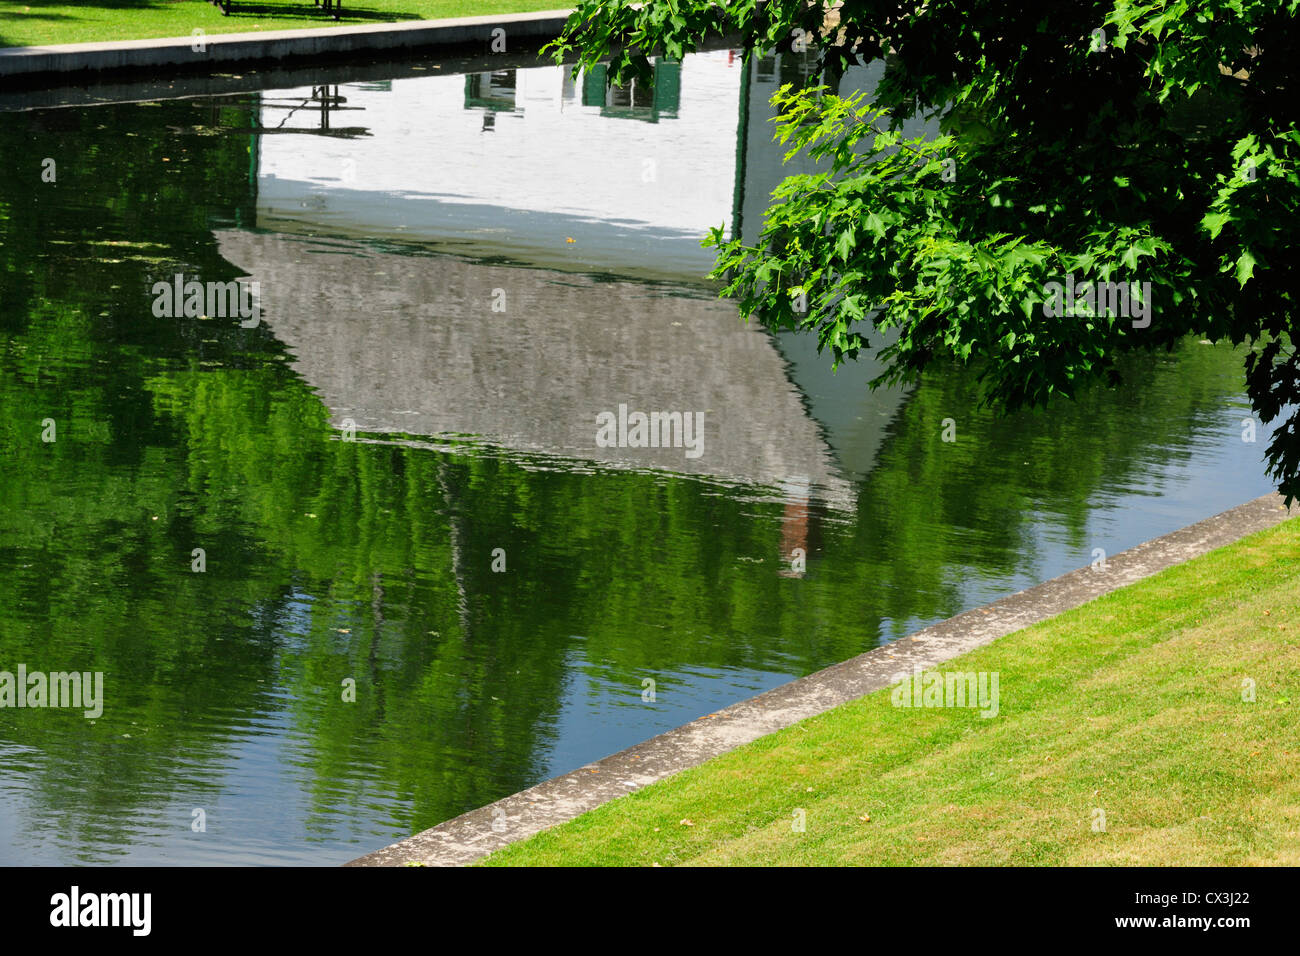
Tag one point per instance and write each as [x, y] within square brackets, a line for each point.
[1146, 144]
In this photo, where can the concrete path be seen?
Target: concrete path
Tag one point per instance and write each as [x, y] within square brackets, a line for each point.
[213, 53]
[472, 835]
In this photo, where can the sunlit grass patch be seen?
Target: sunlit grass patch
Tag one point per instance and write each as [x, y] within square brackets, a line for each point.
[1125, 736]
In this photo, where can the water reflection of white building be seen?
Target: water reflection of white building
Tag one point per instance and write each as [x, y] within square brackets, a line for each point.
[519, 158]
[380, 249]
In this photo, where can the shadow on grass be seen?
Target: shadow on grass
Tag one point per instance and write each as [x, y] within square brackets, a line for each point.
[101, 4]
[242, 16]
[306, 10]
[7, 15]
[61, 10]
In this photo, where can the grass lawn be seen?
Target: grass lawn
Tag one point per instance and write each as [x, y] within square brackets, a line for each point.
[1132, 705]
[37, 23]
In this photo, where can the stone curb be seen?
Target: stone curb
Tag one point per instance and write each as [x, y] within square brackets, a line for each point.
[67, 62]
[471, 836]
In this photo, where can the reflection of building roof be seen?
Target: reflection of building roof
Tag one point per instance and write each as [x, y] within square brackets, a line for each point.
[509, 166]
[410, 343]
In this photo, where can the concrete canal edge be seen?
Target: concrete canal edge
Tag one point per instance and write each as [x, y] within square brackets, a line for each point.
[83, 62]
[472, 835]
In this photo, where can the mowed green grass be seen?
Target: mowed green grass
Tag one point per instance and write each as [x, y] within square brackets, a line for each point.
[37, 23]
[1131, 705]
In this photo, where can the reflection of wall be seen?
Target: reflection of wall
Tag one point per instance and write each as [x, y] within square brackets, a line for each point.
[854, 417]
[411, 344]
[529, 157]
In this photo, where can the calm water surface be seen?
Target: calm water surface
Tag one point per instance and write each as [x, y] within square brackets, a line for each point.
[457, 274]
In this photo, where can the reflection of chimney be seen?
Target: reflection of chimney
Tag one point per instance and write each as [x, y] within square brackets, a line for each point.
[794, 528]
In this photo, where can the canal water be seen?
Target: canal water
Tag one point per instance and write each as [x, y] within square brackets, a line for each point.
[373, 554]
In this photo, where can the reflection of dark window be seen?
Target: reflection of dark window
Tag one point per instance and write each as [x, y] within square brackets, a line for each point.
[797, 68]
[635, 95]
[636, 99]
[766, 69]
[491, 91]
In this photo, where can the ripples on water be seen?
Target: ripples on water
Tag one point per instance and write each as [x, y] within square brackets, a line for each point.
[380, 244]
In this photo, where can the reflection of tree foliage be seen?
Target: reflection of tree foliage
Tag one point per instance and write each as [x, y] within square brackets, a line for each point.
[329, 560]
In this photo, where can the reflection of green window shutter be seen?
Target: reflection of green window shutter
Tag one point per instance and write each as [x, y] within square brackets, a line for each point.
[668, 86]
[593, 86]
